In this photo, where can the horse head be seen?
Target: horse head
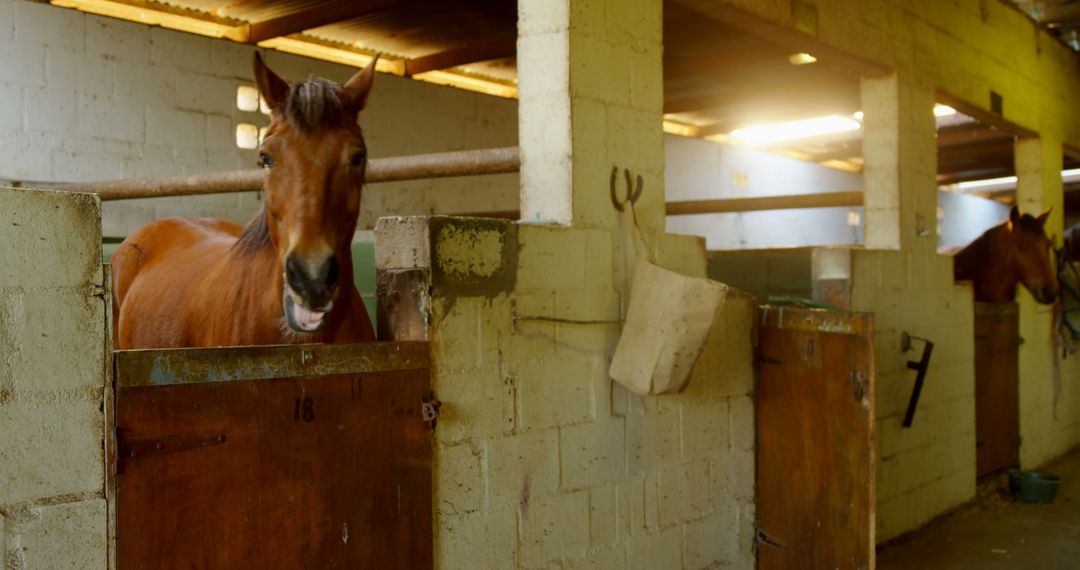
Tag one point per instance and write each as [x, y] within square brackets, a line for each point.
[315, 158]
[1029, 254]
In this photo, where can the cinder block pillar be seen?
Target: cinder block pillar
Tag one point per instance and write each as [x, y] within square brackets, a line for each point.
[591, 97]
[900, 164]
[1038, 169]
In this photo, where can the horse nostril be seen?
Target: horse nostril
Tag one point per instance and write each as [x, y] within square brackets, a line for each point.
[333, 271]
[294, 275]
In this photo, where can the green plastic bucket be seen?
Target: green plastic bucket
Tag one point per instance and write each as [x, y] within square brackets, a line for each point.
[1032, 486]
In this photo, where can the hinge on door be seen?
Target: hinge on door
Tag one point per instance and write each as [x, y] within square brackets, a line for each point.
[140, 448]
[429, 410]
[762, 537]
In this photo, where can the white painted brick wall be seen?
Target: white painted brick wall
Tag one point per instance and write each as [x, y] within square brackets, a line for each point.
[52, 382]
[73, 86]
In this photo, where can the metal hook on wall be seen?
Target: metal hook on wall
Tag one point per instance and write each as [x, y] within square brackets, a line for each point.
[632, 195]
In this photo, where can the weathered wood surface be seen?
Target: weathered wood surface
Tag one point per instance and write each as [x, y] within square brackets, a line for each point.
[301, 471]
[997, 385]
[816, 439]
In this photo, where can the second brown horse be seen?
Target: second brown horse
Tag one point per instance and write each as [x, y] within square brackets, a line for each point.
[1015, 251]
[285, 278]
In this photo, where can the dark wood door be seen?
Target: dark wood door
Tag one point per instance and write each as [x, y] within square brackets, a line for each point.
[280, 457]
[816, 449]
[997, 404]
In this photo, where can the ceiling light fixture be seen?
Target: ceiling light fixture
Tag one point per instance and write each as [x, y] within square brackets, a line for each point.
[777, 132]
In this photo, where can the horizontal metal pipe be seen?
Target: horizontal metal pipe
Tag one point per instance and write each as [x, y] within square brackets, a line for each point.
[827, 200]
[724, 205]
[416, 167]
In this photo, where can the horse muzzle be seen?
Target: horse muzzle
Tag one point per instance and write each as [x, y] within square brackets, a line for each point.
[299, 317]
[1045, 295]
[309, 291]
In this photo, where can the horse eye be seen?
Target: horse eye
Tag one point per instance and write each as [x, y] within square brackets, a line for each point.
[358, 160]
[265, 160]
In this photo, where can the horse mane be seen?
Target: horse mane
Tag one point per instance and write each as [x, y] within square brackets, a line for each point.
[313, 104]
[973, 254]
[256, 235]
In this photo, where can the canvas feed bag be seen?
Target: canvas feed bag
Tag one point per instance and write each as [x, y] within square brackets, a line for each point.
[668, 320]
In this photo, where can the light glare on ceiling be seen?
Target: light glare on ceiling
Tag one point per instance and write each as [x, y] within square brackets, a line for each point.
[777, 132]
[801, 58]
[943, 110]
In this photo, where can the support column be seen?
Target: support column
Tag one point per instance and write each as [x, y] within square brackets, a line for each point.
[899, 164]
[1038, 187]
[591, 97]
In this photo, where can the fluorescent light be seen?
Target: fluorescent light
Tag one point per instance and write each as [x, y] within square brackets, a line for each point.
[776, 132]
[1072, 173]
[673, 128]
[801, 58]
[858, 116]
[972, 184]
[943, 110]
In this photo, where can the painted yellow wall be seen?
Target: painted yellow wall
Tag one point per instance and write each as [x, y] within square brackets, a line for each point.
[540, 459]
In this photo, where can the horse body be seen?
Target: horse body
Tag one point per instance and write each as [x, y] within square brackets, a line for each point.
[284, 278]
[1016, 251]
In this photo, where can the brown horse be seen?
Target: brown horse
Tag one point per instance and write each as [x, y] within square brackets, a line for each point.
[285, 278]
[1015, 251]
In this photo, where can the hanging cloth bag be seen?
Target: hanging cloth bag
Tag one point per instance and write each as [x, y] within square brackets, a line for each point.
[667, 321]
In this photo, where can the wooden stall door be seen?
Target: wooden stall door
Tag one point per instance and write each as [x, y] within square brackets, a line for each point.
[997, 385]
[273, 457]
[816, 449]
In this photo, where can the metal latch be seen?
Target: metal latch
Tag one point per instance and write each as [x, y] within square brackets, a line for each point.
[429, 410]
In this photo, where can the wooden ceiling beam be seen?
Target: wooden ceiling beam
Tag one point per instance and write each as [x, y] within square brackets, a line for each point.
[968, 134]
[310, 18]
[494, 48]
[998, 149]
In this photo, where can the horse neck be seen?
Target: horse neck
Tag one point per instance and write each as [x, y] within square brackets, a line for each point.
[988, 265]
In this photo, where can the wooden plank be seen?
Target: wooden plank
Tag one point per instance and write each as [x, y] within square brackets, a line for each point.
[317, 16]
[307, 472]
[824, 200]
[155, 367]
[494, 48]
[997, 381]
[816, 441]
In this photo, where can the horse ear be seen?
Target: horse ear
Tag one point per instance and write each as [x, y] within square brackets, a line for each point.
[1044, 216]
[272, 87]
[1014, 216]
[356, 89]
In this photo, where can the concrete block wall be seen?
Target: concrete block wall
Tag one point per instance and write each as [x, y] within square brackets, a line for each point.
[540, 461]
[85, 98]
[926, 469]
[53, 377]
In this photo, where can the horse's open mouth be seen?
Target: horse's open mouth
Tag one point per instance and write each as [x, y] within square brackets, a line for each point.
[299, 318]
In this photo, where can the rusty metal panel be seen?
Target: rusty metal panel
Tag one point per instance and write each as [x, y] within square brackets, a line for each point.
[997, 385]
[302, 471]
[816, 439]
[155, 367]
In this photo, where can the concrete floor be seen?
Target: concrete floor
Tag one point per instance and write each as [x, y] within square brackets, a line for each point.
[996, 532]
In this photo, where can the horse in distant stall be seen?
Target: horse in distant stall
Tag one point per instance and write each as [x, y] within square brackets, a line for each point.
[1014, 251]
[285, 278]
